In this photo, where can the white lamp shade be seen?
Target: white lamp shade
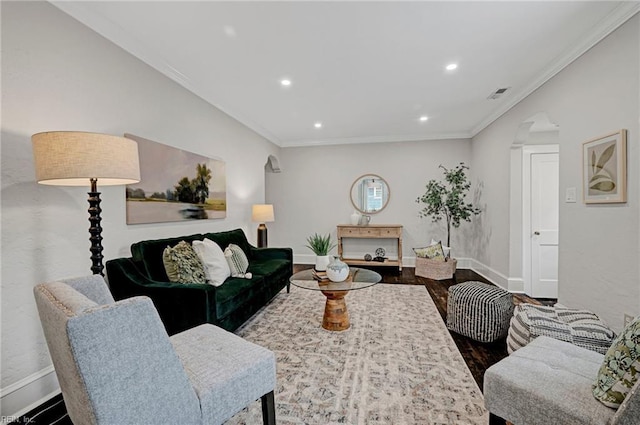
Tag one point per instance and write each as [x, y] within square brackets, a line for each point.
[71, 158]
[262, 213]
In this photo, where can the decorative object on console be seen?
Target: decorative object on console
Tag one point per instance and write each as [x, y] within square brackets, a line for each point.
[364, 220]
[367, 257]
[380, 252]
[446, 199]
[355, 218]
[262, 213]
[175, 185]
[74, 158]
[337, 271]
[320, 245]
[604, 169]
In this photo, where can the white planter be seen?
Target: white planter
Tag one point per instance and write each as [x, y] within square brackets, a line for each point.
[322, 261]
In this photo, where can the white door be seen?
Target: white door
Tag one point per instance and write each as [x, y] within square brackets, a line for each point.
[544, 225]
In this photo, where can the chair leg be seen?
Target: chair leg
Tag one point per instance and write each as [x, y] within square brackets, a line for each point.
[268, 409]
[288, 287]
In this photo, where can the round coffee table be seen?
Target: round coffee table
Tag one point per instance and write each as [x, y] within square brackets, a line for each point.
[336, 316]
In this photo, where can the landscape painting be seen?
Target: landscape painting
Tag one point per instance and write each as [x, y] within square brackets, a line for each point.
[175, 185]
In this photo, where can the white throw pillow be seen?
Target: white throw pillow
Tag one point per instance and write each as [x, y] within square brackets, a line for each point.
[216, 268]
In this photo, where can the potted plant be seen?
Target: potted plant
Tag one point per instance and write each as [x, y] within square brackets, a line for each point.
[320, 245]
[446, 200]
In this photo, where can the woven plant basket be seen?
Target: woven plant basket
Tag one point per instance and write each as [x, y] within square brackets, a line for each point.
[435, 269]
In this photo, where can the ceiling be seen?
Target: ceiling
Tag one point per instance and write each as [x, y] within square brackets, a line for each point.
[367, 71]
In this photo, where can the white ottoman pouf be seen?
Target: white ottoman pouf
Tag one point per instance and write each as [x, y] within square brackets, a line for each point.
[579, 327]
[479, 311]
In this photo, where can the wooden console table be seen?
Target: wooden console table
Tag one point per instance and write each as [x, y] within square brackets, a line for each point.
[371, 231]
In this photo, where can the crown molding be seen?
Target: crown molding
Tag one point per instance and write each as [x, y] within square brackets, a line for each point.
[375, 139]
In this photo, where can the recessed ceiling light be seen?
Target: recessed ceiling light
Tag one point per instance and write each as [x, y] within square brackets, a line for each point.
[318, 125]
[423, 118]
[451, 66]
[285, 82]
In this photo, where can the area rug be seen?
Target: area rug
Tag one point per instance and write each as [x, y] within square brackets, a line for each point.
[396, 364]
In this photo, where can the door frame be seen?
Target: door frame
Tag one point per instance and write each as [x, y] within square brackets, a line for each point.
[527, 152]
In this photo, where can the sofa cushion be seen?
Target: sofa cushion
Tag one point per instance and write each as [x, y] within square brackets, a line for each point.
[620, 367]
[216, 268]
[236, 292]
[182, 264]
[237, 260]
[270, 267]
[149, 254]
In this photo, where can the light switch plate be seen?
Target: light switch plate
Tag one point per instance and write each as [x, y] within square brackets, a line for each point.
[570, 194]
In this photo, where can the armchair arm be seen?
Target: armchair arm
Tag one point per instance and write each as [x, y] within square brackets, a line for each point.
[271, 253]
[180, 306]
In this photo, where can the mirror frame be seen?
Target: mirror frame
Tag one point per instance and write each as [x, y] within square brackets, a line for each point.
[356, 181]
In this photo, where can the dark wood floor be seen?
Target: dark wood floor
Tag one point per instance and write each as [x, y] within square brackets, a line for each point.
[478, 356]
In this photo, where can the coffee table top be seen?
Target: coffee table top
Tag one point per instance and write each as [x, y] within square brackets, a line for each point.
[359, 279]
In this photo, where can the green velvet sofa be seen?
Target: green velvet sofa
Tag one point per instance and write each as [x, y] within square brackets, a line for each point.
[184, 306]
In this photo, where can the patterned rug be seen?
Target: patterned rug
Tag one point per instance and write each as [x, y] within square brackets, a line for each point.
[397, 364]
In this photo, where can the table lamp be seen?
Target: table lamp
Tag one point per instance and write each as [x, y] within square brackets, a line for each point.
[74, 158]
[262, 213]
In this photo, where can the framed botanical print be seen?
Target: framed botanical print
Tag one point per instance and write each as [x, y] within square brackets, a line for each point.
[604, 169]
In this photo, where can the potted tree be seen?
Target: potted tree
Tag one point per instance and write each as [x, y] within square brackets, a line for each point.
[320, 245]
[446, 200]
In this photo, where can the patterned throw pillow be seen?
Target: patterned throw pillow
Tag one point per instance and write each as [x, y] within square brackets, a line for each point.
[433, 251]
[620, 368]
[182, 264]
[238, 261]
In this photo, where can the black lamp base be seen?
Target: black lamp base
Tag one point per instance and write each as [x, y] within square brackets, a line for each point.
[262, 236]
[95, 230]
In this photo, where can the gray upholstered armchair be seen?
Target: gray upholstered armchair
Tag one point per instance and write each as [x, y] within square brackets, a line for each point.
[117, 365]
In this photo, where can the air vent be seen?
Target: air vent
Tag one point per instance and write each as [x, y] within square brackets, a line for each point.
[496, 94]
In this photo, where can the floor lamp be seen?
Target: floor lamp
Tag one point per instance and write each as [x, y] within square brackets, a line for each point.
[262, 213]
[74, 158]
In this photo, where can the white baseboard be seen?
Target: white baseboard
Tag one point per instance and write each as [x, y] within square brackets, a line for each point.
[515, 285]
[28, 393]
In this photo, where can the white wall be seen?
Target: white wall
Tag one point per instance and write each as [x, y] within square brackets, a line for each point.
[599, 244]
[59, 75]
[312, 193]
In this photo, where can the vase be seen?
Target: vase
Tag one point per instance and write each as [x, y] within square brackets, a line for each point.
[337, 271]
[321, 262]
[355, 218]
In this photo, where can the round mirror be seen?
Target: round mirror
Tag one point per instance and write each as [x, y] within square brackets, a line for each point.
[370, 194]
